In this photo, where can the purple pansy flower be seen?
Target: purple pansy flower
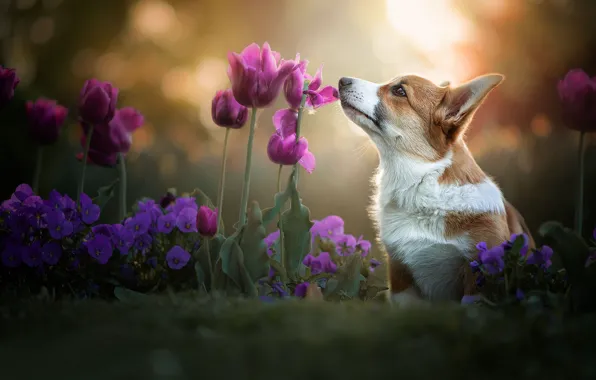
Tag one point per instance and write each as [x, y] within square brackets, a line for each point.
[270, 241]
[320, 264]
[143, 243]
[11, 255]
[89, 211]
[300, 290]
[100, 248]
[363, 245]
[541, 257]
[184, 202]
[187, 220]
[177, 257]
[139, 224]
[492, 259]
[58, 226]
[122, 238]
[31, 255]
[166, 223]
[51, 252]
[328, 227]
[346, 244]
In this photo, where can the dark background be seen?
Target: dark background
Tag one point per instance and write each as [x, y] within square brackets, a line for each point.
[169, 57]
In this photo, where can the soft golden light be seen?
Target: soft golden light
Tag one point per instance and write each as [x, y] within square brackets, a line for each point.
[541, 125]
[153, 18]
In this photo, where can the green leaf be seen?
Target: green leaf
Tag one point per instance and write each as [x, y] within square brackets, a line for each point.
[280, 199]
[348, 277]
[232, 258]
[105, 193]
[296, 230]
[129, 296]
[253, 245]
[517, 245]
[281, 271]
[570, 247]
[331, 286]
[209, 247]
[200, 274]
[574, 252]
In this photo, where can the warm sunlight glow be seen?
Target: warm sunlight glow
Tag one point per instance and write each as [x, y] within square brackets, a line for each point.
[431, 25]
[436, 30]
[153, 18]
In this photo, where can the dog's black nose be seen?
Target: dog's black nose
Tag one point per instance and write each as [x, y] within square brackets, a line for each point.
[344, 82]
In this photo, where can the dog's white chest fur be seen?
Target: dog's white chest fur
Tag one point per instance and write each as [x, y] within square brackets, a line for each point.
[410, 209]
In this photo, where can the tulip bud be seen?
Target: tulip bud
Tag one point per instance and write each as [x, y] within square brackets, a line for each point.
[97, 102]
[207, 221]
[45, 119]
[226, 111]
[8, 83]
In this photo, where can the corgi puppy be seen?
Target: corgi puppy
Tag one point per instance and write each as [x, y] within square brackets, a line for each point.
[433, 204]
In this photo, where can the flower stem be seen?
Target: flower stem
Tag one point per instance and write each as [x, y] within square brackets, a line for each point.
[580, 191]
[122, 167]
[222, 180]
[211, 278]
[37, 173]
[246, 186]
[299, 120]
[280, 222]
[85, 155]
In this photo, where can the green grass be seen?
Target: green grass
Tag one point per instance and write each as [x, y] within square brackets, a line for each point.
[182, 339]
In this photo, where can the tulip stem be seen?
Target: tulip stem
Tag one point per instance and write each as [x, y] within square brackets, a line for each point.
[37, 173]
[122, 168]
[246, 186]
[222, 180]
[579, 212]
[85, 156]
[299, 120]
[211, 278]
[282, 255]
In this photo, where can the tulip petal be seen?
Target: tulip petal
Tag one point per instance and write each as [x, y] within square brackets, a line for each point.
[308, 161]
[285, 121]
[251, 55]
[317, 80]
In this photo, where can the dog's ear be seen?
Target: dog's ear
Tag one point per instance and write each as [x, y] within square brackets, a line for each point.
[460, 103]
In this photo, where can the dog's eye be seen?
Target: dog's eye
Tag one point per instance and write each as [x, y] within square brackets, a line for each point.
[398, 90]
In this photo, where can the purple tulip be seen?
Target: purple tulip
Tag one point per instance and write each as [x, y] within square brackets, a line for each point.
[8, 82]
[257, 75]
[111, 138]
[207, 221]
[97, 102]
[285, 121]
[286, 151]
[316, 97]
[226, 111]
[45, 120]
[578, 97]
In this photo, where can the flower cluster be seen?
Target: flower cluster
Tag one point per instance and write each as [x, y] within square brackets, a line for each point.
[330, 246]
[514, 265]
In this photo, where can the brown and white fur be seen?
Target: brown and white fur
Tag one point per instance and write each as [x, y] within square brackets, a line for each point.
[433, 203]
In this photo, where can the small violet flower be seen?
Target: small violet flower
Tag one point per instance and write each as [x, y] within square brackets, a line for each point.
[187, 220]
[300, 290]
[492, 259]
[541, 257]
[177, 257]
[166, 223]
[58, 226]
[89, 211]
[320, 264]
[51, 252]
[100, 248]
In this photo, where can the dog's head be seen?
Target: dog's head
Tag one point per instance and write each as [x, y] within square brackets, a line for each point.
[411, 115]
